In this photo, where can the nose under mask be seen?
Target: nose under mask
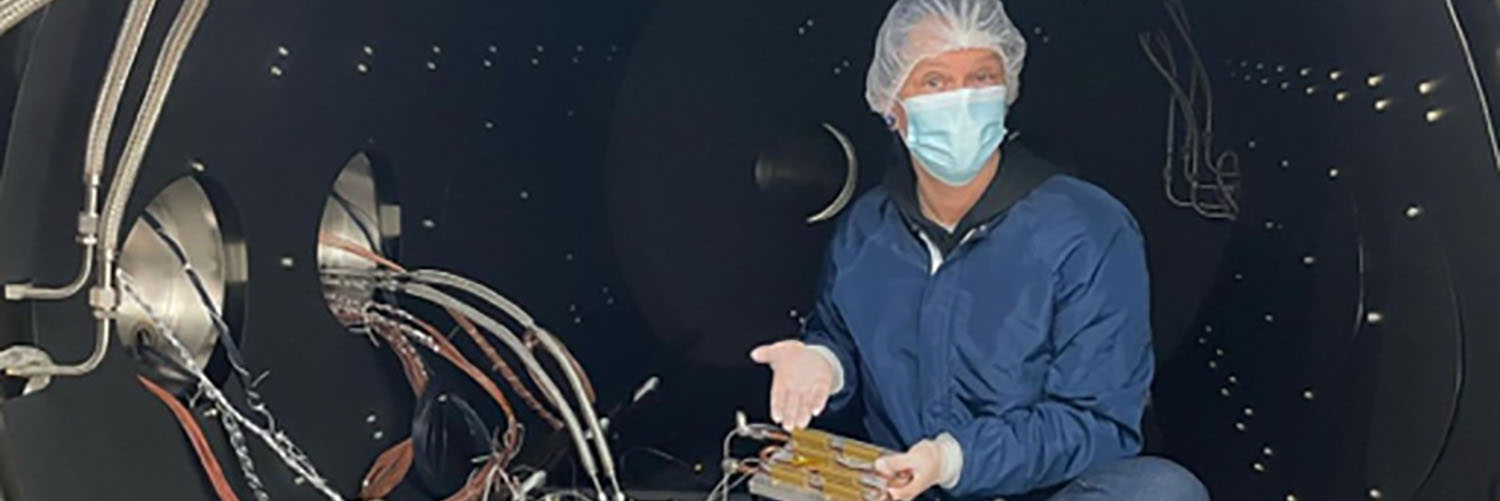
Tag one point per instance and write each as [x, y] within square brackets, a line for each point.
[953, 133]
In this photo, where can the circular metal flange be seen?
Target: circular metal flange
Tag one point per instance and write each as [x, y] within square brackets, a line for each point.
[177, 241]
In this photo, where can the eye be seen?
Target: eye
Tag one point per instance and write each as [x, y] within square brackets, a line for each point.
[932, 82]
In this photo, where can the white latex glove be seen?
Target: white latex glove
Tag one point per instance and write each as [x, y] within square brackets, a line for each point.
[801, 381]
[920, 468]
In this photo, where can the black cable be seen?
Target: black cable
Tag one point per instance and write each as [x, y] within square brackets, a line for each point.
[236, 359]
[153, 356]
[350, 209]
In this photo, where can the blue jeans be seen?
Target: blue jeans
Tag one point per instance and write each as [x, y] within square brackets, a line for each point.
[1134, 479]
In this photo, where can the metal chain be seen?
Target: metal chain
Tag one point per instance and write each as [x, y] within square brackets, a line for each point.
[242, 453]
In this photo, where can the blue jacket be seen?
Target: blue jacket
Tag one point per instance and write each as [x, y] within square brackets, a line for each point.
[1028, 342]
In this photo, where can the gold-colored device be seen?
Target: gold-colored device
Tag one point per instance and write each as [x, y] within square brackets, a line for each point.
[811, 465]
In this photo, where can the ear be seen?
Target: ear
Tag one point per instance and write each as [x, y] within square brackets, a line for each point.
[895, 120]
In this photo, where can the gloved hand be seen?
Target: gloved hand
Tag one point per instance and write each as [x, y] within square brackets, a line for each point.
[801, 381]
[920, 467]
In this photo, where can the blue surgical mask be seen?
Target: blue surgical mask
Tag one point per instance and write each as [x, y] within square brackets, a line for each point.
[953, 133]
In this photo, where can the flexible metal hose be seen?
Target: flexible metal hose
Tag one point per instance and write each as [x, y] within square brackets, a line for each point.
[551, 343]
[12, 12]
[178, 37]
[606, 457]
[127, 45]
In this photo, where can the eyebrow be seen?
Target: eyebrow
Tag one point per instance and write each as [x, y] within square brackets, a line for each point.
[933, 63]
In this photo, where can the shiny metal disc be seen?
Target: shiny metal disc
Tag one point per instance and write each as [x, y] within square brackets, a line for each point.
[160, 279]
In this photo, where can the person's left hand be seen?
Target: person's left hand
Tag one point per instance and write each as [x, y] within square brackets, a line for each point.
[922, 464]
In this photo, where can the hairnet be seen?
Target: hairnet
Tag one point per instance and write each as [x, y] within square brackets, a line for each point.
[918, 29]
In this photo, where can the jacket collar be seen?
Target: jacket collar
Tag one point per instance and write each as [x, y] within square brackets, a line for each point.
[1020, 171]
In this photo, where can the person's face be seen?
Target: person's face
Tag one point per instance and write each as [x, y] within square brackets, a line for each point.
[949, 71]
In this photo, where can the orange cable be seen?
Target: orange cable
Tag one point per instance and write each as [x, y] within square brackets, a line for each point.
[190, 426]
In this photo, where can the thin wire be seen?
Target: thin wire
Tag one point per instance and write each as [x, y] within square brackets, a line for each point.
[253, 397]
[277, 441]
[1197, 155]
[572, 371]
[549, 387]
[242, 456]
[194, 432]
[356, 215]
[1484, 104]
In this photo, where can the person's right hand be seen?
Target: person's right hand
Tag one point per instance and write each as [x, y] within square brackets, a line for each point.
[801, 381]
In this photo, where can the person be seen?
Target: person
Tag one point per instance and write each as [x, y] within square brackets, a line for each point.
[991, 311]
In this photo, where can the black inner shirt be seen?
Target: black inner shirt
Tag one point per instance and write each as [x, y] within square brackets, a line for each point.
[1020, 171]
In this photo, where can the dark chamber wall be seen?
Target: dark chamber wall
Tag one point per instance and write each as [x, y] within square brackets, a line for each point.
[597, 165]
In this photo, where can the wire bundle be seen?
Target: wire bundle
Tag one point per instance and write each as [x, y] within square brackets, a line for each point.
[1213, 181]
[273, 438]
[392, 322]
